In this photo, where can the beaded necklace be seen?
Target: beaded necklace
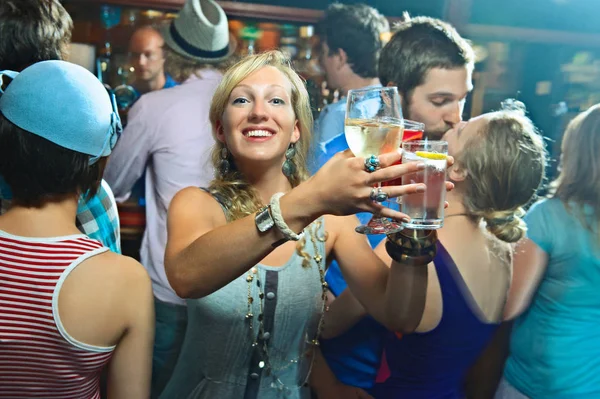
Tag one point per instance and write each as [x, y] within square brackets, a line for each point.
[265, 362]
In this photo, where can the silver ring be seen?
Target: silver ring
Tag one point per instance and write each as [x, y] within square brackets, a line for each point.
[378, 195]
[372, 164]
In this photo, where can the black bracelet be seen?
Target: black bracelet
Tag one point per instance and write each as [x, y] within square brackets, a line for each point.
[412, 247]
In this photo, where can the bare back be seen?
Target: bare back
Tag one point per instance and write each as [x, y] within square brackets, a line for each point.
[484, 263]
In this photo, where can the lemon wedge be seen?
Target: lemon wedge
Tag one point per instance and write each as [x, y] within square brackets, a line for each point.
[431, 155]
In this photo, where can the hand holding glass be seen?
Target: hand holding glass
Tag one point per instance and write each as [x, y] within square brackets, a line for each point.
[374, 126]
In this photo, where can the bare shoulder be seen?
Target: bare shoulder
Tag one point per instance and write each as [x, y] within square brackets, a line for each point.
[192, 213]
[118, 269]
[107, 281]
[193, 201]
[192, 195]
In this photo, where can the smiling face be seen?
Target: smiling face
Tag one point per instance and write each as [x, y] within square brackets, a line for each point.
[259, 123]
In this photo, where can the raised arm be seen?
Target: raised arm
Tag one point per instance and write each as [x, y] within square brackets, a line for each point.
[394, 296]
[204, 253]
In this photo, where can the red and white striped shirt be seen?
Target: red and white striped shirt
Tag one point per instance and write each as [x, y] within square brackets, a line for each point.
[38, 358]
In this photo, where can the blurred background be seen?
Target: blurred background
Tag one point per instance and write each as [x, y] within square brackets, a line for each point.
[545, 53]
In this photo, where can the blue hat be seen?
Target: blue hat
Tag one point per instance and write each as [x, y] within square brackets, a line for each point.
[65, 104]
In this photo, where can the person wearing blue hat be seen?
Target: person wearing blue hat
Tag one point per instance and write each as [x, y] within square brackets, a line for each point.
[70, 307]
[33, 31]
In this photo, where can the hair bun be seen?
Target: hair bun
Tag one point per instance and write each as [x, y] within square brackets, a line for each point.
[506, 225]
[513, 105]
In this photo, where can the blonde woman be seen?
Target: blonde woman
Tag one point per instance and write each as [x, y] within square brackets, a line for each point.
[500, 161]
[555, 345]
[257, 296]
[500, 164]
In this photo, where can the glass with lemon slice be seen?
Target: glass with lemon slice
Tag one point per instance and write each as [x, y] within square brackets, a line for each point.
[426, 210]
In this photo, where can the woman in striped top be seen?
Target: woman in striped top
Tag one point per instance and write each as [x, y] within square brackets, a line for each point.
[68, 306]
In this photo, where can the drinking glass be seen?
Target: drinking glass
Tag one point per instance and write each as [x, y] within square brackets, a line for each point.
[412, 131]
[374, 126]
[426, 210]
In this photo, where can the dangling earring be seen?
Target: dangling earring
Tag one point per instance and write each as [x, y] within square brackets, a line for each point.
[289, 168]
[224, 164]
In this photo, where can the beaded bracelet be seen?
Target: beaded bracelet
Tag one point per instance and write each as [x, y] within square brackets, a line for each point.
[418, 248]
[278, 219]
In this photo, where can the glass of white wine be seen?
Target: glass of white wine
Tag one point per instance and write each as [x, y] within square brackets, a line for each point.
[374, 126]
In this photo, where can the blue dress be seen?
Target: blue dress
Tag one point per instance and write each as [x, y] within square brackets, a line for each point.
[433, 365]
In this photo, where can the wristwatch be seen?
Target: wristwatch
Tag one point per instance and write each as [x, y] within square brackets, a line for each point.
[263, 219]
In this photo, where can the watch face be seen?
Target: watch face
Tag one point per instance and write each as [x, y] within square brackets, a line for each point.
[263, 220]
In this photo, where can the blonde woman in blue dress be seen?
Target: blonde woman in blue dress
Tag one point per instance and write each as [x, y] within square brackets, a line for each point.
[255, 285]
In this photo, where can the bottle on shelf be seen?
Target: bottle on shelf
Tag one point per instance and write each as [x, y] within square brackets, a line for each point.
[307, 66]
[110, 16]
[249, 34]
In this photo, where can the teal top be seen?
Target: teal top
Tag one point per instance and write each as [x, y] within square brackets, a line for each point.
[218, 360]
[555, 345]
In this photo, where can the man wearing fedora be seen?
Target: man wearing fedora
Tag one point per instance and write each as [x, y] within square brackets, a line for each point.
[169, 137]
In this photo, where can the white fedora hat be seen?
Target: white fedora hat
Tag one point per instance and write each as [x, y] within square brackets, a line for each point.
[200, 32]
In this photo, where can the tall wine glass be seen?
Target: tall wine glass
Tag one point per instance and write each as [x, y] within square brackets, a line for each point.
[374, 126]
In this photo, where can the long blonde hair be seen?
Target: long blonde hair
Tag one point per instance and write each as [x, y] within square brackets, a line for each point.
[242, 199]
[505, 165]
[578, 182]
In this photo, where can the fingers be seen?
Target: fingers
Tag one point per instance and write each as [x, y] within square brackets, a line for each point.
[449, 186]
[383, 211]
[394, 172]
[397, 191]
[390, 158]
[449, 161]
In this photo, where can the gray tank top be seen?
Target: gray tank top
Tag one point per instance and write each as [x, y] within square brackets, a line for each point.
[218, 361]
